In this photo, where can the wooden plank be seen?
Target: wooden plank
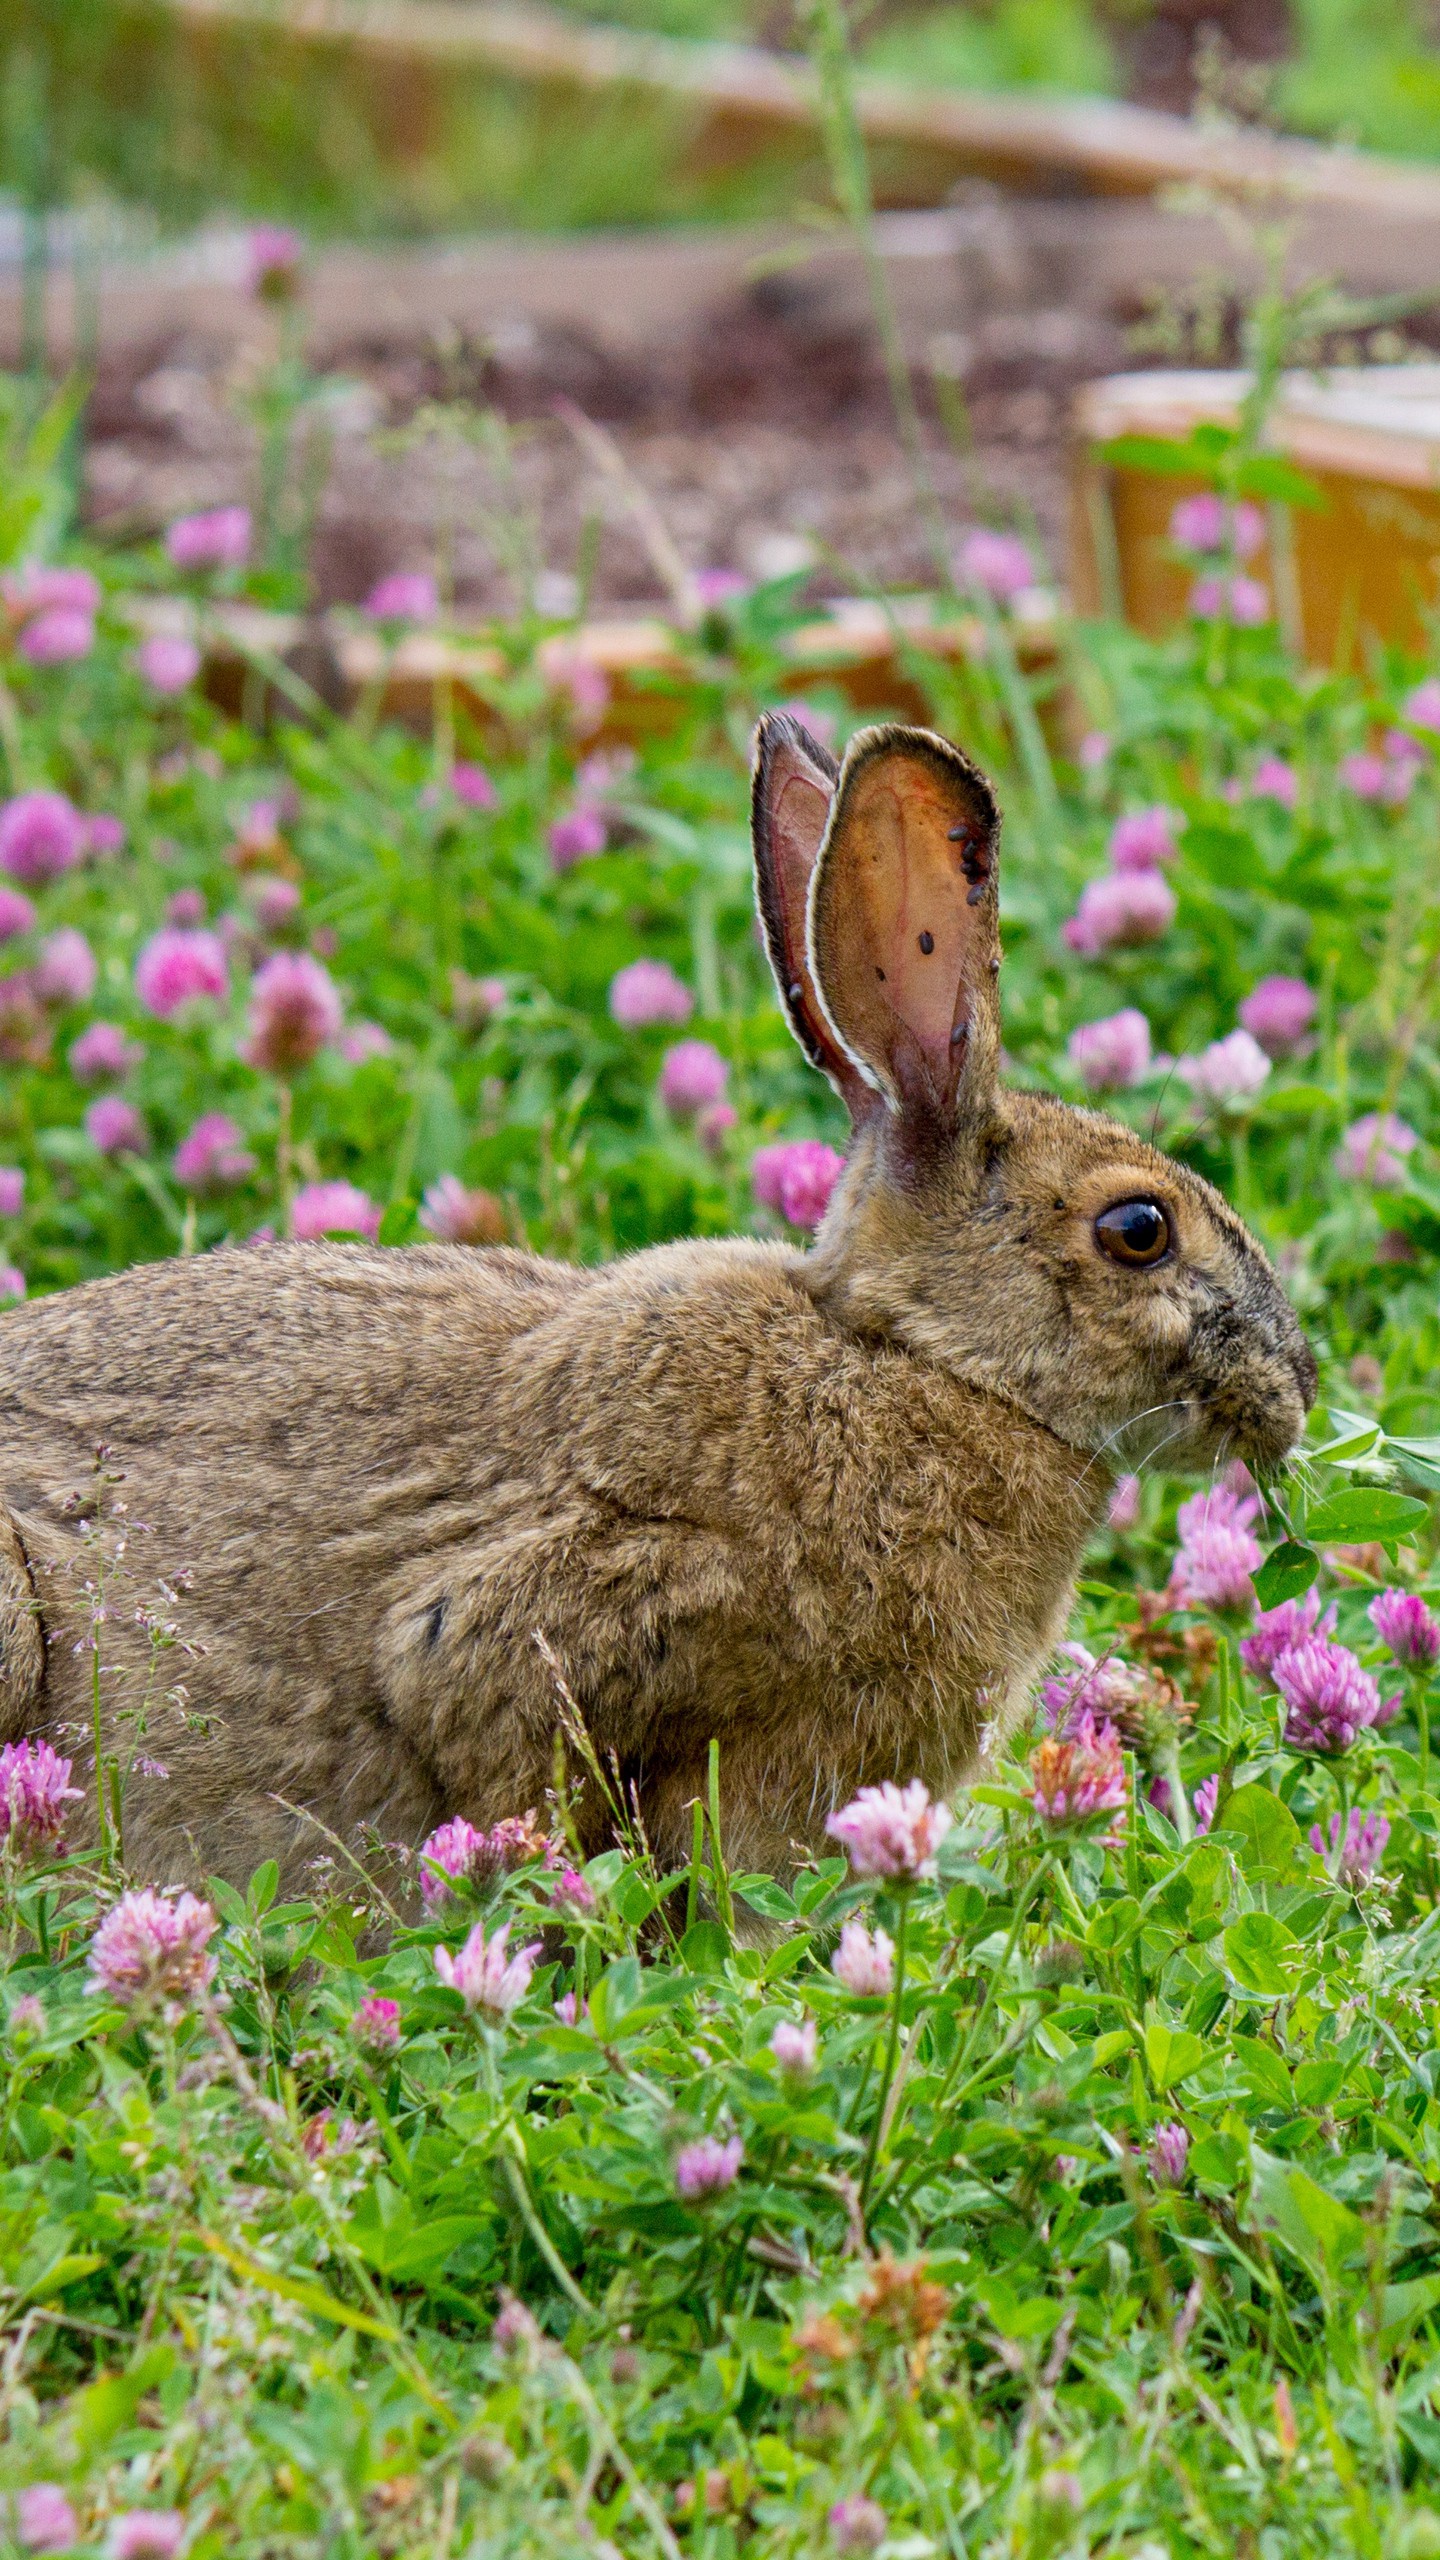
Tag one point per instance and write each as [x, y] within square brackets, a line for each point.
[947, 267]
[1382, 421]
[858, 653]
[1115, 148]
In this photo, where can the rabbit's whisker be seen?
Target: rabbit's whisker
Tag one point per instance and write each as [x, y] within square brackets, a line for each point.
[1160, 1448]
[1129, 1424]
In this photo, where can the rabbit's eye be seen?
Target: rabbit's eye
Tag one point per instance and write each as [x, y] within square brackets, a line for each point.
[1136, 1232]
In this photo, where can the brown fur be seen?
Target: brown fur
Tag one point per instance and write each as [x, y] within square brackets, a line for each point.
[825, 1507]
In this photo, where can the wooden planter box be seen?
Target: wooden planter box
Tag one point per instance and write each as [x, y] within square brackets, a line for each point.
[857, 651]
[1364, 568]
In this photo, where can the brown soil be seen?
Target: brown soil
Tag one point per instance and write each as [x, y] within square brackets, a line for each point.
[749, 419]
[765, 424]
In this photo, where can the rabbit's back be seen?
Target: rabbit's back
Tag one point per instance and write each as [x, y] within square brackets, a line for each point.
[388, 1473]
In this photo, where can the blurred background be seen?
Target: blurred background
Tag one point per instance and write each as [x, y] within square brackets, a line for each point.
[636, 215]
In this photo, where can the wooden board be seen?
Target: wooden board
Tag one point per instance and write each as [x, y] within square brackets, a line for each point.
[1364, 567]
[741, 97]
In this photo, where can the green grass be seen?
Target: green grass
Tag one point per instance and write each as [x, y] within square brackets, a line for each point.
[1366, 73]
[1056, 45]
[110, 97]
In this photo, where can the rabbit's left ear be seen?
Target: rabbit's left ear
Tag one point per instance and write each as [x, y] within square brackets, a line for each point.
[904, 933]
[792, 792]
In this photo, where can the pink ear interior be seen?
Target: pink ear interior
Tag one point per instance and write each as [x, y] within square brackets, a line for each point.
[904, 936]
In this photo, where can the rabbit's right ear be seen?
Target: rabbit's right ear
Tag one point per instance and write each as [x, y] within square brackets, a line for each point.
[792, 792]
[904, 930]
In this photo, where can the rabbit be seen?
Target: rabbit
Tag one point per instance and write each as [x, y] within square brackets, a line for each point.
[824, 1506]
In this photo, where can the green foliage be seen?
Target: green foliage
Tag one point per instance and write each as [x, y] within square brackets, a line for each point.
[1018, 44]
[1222, 457]
[261, 2258]
[35, 430]
[1366, 70]
[114, 95]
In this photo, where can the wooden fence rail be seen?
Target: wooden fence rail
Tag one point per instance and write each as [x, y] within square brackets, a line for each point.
[1110, 147]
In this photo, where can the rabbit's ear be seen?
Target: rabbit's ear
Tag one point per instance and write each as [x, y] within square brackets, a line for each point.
[790, 801]
[904, 937]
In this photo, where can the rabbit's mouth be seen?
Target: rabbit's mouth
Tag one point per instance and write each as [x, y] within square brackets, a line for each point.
[1257, 1403]
[1256, 1414]
[1252, 1406]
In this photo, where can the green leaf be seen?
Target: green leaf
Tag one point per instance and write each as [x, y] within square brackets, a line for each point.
[634, 1896]
[1363, 1512]
[400, 1224]
[1218, 2161]
[1212, 442]
[787, 1958]
[1267, 475]
[1314, 2226]
[1263, 1831]
[227, 1901]
[1401, 2305]
[602, 1872]
[1420, 1458]
[263, 1887]
[332, 1944]
[764, 1895]
[705, 1949]
[1316, 2083]
[815, 1885]
[1149, 453]
[618, 1989]
[66, 2270]
[1016, 2315]
[1265, 2072]
[1423, 2433]
[1298, 1102]
[1114, 1925]
[99, 2413]
[1172, 2053]
[1288, 1570]
[1109, 2047]
[1257, 1952]
[561, 2053]
[409, 2255]
[1352, 1433]
[1207, 1873]
[64, 1146]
